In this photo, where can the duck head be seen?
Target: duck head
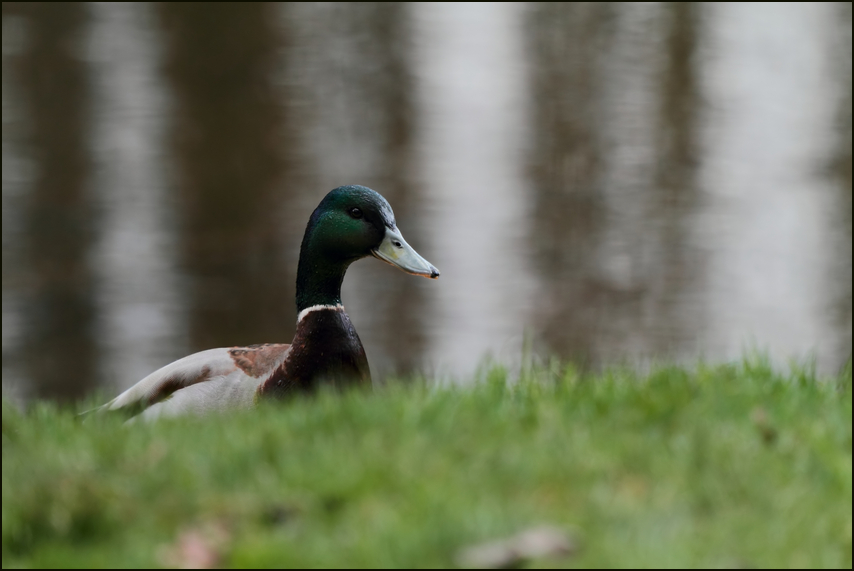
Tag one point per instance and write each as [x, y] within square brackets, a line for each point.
[350, 223]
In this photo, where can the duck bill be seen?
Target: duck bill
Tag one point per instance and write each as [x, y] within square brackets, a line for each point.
[395, 251]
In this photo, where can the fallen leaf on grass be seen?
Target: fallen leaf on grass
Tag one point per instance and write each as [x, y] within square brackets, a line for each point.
[196, 548]
[534, 543]
[763, 424]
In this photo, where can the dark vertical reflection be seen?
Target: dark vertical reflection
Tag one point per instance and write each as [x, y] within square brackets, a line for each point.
[59, 351]
[842, 174]
[400, 302]
[220, 58]
[675, 189]
[358, 118]
[569, 207]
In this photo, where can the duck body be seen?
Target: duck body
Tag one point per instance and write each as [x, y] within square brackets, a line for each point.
[350, 223]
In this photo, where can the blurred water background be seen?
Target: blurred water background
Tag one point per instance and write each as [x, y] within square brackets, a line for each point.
[612, 182]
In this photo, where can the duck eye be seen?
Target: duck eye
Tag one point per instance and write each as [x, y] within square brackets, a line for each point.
[356, 212]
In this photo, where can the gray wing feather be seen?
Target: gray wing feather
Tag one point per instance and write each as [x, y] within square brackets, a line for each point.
[162, 383]
[208, 380]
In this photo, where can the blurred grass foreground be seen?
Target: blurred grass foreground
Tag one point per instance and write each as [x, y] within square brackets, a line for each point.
[734, 465]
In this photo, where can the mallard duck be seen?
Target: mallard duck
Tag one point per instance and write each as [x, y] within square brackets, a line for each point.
[350, 223]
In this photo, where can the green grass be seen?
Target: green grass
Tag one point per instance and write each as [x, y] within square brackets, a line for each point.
[712, 467]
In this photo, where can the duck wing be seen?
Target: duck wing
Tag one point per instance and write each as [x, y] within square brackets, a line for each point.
[208, 381]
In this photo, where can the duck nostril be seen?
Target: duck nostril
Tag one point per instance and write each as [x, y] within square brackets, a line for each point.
[397, 244]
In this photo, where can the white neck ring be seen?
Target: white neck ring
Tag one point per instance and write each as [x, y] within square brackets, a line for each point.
[307, 310]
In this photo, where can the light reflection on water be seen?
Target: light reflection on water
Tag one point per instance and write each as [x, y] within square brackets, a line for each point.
[472, 122]
[140, 301]
[618, 181]
[769, 200]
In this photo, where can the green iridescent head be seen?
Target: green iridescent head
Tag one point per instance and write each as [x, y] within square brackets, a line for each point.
[350, 223]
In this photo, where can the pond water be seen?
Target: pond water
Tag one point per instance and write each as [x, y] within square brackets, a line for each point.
[605, 182]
